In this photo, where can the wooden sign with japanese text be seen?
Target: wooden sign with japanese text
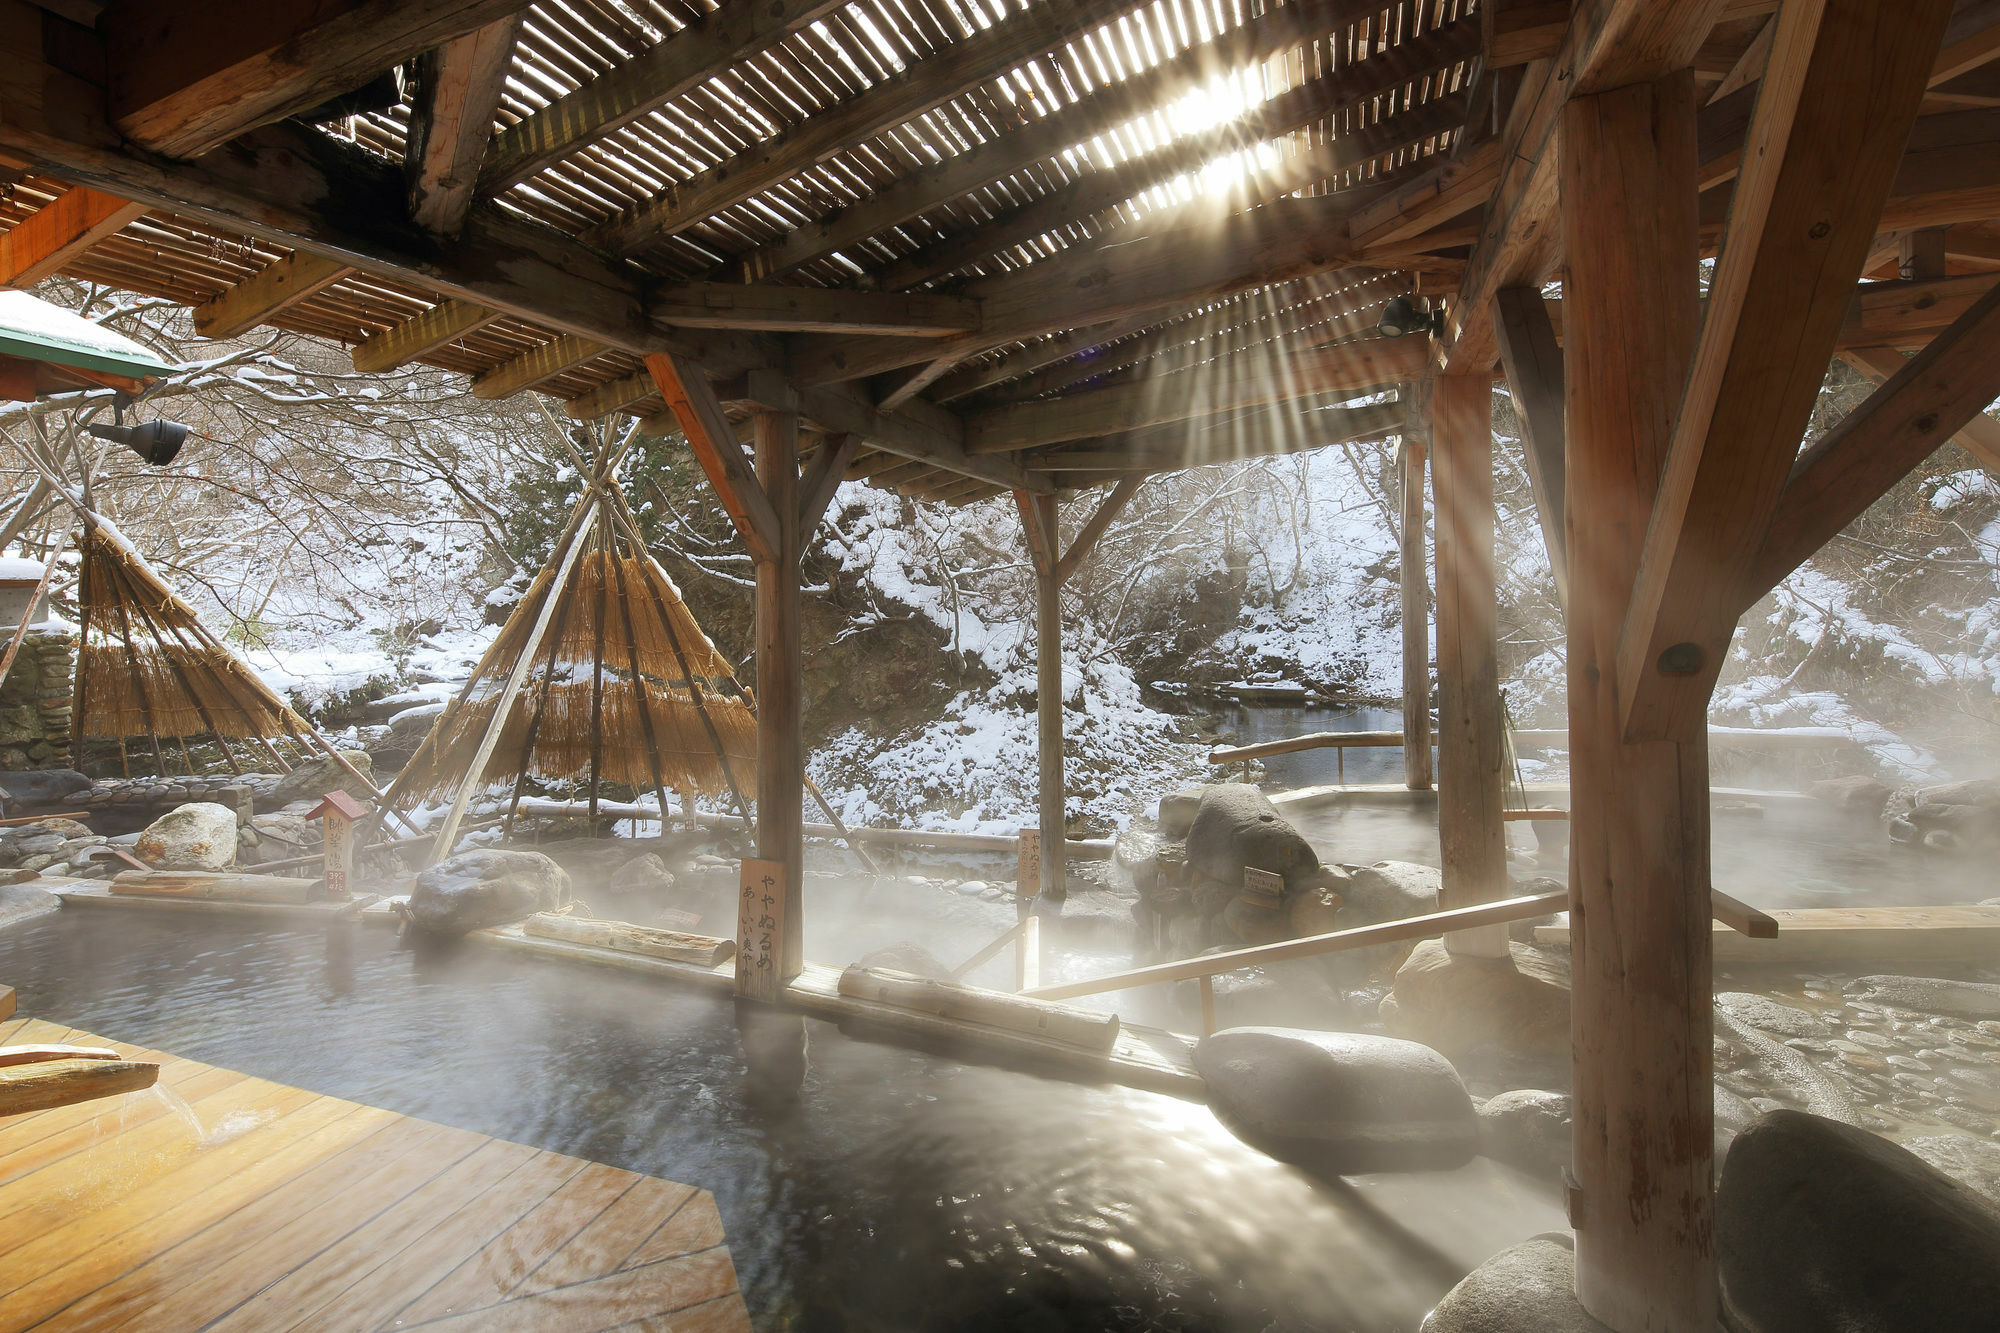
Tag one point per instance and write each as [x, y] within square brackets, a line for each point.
[760, 929]
[1029, 871]
[337, 813]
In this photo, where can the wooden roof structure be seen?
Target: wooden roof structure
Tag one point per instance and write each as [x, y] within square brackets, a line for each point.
[960, 247]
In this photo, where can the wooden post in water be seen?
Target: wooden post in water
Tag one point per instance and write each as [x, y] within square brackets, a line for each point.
[1642, 1199]
[1471, 740]
[337, 813]
[781, 754]
[1416, 590]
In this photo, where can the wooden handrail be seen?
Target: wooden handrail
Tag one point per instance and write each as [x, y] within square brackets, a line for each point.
[1527, 738]
[1318, 740]
[1311, 946]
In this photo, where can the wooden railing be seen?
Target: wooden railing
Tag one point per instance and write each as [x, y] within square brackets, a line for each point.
[1207, 967]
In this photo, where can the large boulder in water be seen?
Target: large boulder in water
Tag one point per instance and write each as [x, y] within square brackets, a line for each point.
[199, 836]
[1237, 828]
[1339, 1103]
[1389, 891]
[487, 887]
[1529, 1287]
[1820, 1225]
[309, 782]
[1459, 1004]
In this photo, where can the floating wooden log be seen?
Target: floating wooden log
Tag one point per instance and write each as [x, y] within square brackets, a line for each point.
[1081, 1028]
[27, 1055]
[51, 1083]
[672, 945]
[219, 886]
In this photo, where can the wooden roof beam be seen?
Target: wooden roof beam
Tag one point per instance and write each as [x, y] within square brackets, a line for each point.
[1922, 402]
[1260, 37]
[1095, 192]
[951, 72]
[399, 344]
[712, 438]
[267, 293]
[612, 396]
[1818, 166]
[1979, 436]
[735, 31]
[59, 231]
[308, 190]
[1238, 382]
[1174, 268]
[733, 305]
[188, 75]
[535, 366]
[1618, 42]
[451, 121]
[1300, 432]
[919, 431]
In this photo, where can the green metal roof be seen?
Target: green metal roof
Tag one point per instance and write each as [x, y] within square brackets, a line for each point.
[34, 330]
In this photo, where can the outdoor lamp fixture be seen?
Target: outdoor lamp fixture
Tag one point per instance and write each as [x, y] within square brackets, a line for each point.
[1401, 317]
[155, 441]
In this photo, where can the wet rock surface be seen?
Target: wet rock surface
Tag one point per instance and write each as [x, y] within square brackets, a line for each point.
[197, 836]
[1527, 1128]
[1235, 827]
[1339, 1103]
[1820, 1226]
[487, 887]
[1526, 1287]
[1465, 1006]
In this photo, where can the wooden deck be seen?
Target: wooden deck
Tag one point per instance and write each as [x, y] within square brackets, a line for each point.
[295, 1211]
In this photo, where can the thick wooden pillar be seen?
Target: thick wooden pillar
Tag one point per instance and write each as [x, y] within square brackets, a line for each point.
[1049, 700]
[781, 757]
[1416, 591]
[1472, 750]
[1642, 1202]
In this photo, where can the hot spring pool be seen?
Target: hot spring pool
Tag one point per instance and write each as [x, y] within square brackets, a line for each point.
[895, 1189]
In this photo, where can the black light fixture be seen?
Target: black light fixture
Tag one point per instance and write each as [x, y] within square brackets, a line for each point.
[1401, 317]
[155, 441]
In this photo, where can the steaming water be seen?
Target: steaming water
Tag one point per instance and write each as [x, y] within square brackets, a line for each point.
[1779, 852]
[896, 1190]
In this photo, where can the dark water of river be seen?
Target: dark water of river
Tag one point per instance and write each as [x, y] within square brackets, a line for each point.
[893, 1190]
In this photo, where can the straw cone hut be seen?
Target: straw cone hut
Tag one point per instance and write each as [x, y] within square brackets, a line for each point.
[600, 675]
[147, 666]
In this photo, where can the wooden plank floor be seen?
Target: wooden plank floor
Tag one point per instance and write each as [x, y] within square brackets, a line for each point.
[290, 1210]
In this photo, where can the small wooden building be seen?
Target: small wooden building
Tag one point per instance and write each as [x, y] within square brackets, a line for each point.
[966, 247]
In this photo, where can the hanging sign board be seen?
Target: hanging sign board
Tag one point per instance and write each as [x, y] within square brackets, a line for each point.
[1263, 887]
[1029, 871]
[760, 929]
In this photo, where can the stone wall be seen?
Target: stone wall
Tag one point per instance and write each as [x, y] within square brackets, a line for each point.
[35, 703]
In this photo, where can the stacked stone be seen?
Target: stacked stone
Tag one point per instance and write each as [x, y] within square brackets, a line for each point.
[134, 796]
[35, 722]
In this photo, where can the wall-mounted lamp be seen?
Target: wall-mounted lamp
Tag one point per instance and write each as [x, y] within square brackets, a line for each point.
[1401, 317]
[155, 441]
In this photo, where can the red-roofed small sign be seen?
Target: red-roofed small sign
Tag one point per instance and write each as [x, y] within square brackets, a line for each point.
[340, 811]
[338, 803]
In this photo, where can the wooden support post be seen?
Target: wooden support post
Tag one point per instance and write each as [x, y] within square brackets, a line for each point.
[1038, 516]
[1642, 1202]
[1472, 750]
[1416, 589]
[1533, 362]
[781, 754]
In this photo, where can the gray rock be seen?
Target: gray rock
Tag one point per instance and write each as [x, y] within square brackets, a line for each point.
[1292, 994]
[1930, 995]
[41, 862]
[309, 782]
[643, 874]
[1767, 1015]
[1528, 1287]
[486, 887]
[1134, 858]
[300, 836]
[42, 786]
[40, 843]
[1977, 791]
[198, 836]
[1825, 1226]
[1236, 827]
[1801, 1078]
[1177, 812]
[1390, 891]
[1857, 793]
[1527, 1128]
[906, 956]
[25, 902]
[1339, 1103]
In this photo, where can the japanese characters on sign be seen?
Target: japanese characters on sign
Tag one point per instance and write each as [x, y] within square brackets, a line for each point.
[760, 929]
